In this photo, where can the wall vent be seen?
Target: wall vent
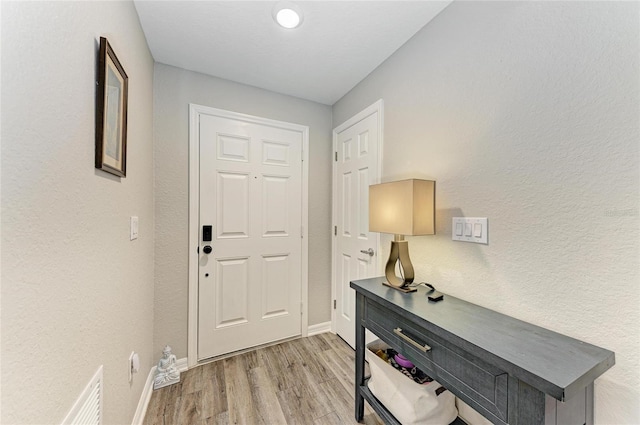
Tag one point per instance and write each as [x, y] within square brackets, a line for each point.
[87, 410]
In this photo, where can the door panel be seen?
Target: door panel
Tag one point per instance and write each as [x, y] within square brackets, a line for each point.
[233, 148]
[356, 167]
[362, 204]
[346, 294]
[275, 195]
[232, 285]
[232, 216]
[274, 287]
[274, 153]
[346, 204]
[249, 287]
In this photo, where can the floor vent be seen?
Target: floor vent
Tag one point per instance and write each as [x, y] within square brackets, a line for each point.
[88, 408]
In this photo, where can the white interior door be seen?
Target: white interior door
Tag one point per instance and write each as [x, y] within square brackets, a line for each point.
[250, 192]
[357, 143]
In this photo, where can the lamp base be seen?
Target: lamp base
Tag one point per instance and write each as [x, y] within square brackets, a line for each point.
[403, 289]
[399, 254]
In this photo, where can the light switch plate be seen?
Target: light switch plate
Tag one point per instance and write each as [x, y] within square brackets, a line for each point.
[475, 229]
[134, 227]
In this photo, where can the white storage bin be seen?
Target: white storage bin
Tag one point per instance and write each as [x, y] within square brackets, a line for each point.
[410, 402]
[469, 415]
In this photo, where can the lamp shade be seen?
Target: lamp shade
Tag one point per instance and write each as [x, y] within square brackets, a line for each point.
[405, 207]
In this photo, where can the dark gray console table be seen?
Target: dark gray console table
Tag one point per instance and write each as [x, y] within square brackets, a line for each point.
[510, 371]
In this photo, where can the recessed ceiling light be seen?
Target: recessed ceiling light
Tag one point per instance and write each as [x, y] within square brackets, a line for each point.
[287, 15]
[287, 18]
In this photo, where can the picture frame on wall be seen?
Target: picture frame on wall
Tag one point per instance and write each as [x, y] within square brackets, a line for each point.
[111, 112]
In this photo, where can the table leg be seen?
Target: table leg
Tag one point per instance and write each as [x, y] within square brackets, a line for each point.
[359, 401]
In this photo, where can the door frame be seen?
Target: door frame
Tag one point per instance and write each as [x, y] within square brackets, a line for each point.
[376, 107]
[194, 211]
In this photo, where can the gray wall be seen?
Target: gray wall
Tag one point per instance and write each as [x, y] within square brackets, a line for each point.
[76, 293]
[527, 113]
[174, 89]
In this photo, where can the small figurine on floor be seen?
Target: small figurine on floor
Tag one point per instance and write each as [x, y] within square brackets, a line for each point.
[167, 372]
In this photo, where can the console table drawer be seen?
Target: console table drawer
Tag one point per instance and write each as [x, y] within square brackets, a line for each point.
[483, 386]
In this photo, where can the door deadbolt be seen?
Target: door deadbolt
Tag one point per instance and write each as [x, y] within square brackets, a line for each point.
[207, 232]
[207, 249]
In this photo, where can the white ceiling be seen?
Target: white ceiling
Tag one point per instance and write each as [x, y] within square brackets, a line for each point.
[338, 44]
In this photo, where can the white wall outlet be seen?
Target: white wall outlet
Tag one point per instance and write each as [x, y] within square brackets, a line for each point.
[470, 229]
[134, 227]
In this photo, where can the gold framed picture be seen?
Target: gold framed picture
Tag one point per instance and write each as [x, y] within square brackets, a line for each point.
[111, 112]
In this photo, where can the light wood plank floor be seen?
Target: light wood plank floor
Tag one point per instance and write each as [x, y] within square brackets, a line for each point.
[303, 381]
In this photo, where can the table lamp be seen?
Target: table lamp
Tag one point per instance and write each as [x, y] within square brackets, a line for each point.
[403, 208]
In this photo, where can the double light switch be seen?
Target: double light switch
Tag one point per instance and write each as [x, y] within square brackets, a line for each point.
[470, 229]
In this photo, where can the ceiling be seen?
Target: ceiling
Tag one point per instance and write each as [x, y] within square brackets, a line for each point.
[338, 44]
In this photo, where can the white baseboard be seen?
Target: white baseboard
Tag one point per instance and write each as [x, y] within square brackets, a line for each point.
[138, 418]
[319, 328]
[143, 403]
[182, 364]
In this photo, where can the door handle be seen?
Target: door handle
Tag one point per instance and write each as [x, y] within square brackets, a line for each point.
[207, 249]
[368, 251]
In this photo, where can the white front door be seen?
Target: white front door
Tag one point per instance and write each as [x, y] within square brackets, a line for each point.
[250, 268]
[355, 254]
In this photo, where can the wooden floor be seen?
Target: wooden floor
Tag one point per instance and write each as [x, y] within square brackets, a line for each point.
[303, 381]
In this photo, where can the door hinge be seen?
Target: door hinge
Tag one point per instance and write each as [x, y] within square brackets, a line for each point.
[301, 308]
[335, 230]
[336, 156]
[301, 232]
[334, 304]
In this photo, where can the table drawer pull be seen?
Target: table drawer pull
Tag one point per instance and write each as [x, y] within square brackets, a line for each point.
[424, 348]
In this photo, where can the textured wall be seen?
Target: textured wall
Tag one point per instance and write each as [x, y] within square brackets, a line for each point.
[528, 113]
[76, 293]
[174, 89]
